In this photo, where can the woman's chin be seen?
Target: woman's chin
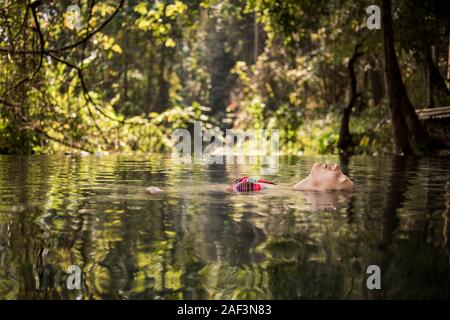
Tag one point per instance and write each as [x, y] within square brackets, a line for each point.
[303, 185]
[308, 184]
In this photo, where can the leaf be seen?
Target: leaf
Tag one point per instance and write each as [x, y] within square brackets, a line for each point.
[170, 43]
[116, 48]
[143, 24]
[141, 8]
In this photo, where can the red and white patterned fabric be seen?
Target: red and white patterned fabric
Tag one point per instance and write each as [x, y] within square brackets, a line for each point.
[249, 184]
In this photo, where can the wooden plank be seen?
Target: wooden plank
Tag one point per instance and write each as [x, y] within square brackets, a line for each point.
[433, 113]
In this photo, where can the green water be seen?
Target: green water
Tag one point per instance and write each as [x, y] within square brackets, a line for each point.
[196, 241]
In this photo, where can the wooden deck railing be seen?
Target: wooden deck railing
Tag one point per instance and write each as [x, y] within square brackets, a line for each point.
[434, 113]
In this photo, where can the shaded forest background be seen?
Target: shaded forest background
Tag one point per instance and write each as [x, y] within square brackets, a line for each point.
[133, 71]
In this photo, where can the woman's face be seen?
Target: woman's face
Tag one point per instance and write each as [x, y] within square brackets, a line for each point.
[329, 177]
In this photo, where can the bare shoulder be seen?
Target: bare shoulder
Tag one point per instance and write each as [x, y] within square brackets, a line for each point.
[153, 190]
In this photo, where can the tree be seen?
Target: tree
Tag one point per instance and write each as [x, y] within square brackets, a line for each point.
[426, 40]
[345, 138]
[408, 133]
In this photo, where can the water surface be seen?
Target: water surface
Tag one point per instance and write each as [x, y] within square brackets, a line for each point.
[197, 241]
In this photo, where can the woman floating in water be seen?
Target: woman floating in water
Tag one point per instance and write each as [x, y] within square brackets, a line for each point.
[323, 177]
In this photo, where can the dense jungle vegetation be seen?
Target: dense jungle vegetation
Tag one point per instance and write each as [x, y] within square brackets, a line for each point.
[120, 76]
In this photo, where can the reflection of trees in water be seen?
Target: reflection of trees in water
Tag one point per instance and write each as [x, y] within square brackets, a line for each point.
[404, 256]
[214, 245]
[446, 217]
[222, 245]
[395, 196]
[409, 246]
[27, 266]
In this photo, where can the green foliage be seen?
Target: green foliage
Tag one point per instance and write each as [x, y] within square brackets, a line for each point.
[145, 68]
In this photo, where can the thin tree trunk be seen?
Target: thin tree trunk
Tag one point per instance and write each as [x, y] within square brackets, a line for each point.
[376, 82]
[428, 63]
[437, 92]
[448, 63]
[440, 92]
[345, 138]
[163, 85]
[255, 39]
[439, 82]
[149, 92]
[125, 77]
[162, 102]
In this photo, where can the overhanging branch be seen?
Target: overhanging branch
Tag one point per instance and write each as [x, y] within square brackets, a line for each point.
[90, 35]
[41, 131]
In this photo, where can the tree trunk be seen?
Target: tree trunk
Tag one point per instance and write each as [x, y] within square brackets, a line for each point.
[163, 93]
[163, 85]
[418, 136]
[440, 91]
[428, 62]
[345, 138]
[406, 128]
[149, 92]
[125, 78]
[255, 39]
[448, 63]
[437, 88]
[375, 81]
